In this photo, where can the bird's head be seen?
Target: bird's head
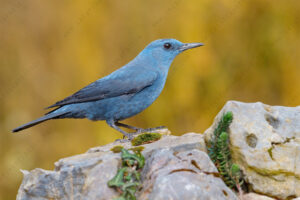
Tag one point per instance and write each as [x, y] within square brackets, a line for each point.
[165, 50]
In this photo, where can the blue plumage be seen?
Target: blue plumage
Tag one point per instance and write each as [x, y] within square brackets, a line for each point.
[123, 93]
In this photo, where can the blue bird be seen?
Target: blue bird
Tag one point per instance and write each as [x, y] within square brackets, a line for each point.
[123, 93]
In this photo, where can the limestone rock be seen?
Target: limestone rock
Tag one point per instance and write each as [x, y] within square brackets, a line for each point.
[254, 196]
[265, 142]
[176, 168]
[169, 174]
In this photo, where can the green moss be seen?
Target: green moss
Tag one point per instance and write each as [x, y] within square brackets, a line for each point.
[137, 149]
[145, 138]
[117, 149]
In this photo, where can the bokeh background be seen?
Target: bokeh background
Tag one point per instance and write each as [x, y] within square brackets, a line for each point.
[50, 49]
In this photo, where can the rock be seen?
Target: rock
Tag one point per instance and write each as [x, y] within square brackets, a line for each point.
[265, 142]
[176, 168]
[254, 196]
[170, 174]
[83, 176]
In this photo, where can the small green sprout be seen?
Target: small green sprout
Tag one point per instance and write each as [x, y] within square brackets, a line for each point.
[127, 179]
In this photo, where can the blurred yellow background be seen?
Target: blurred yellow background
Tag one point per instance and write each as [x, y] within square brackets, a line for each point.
[50, 49]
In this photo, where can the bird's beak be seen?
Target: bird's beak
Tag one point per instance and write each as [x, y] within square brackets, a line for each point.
[187, 46]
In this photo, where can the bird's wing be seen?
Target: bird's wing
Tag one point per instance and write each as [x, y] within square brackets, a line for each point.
[126, 82]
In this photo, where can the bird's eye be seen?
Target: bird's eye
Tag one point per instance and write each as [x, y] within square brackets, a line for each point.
[167, 45]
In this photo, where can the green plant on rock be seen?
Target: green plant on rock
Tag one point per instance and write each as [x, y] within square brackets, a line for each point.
[145, 138]
[220, 154]
[127, 179]
[222, 126]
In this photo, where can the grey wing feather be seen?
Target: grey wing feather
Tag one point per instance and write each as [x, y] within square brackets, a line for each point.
[111, 86]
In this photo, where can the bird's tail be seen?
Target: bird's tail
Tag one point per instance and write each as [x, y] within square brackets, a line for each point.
[39, 120]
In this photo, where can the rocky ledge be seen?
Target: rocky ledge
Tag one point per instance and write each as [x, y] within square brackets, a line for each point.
[264, 142]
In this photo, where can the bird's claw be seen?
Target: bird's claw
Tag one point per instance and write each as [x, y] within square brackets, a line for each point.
[130, 136]
[148, 130]
[122, 140]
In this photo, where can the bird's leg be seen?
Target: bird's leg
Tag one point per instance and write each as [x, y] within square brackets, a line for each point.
[151, 130]
[139, 130]
[112, 124]
[127, 126]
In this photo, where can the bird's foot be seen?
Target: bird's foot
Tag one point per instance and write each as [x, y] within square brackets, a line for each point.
[148, 130]
[122, 140]
[126, 138]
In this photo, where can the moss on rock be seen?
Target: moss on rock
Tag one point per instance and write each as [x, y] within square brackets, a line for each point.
[145, 138]
[117, 149]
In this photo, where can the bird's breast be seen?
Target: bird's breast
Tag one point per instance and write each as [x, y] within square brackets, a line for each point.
[126, 106]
